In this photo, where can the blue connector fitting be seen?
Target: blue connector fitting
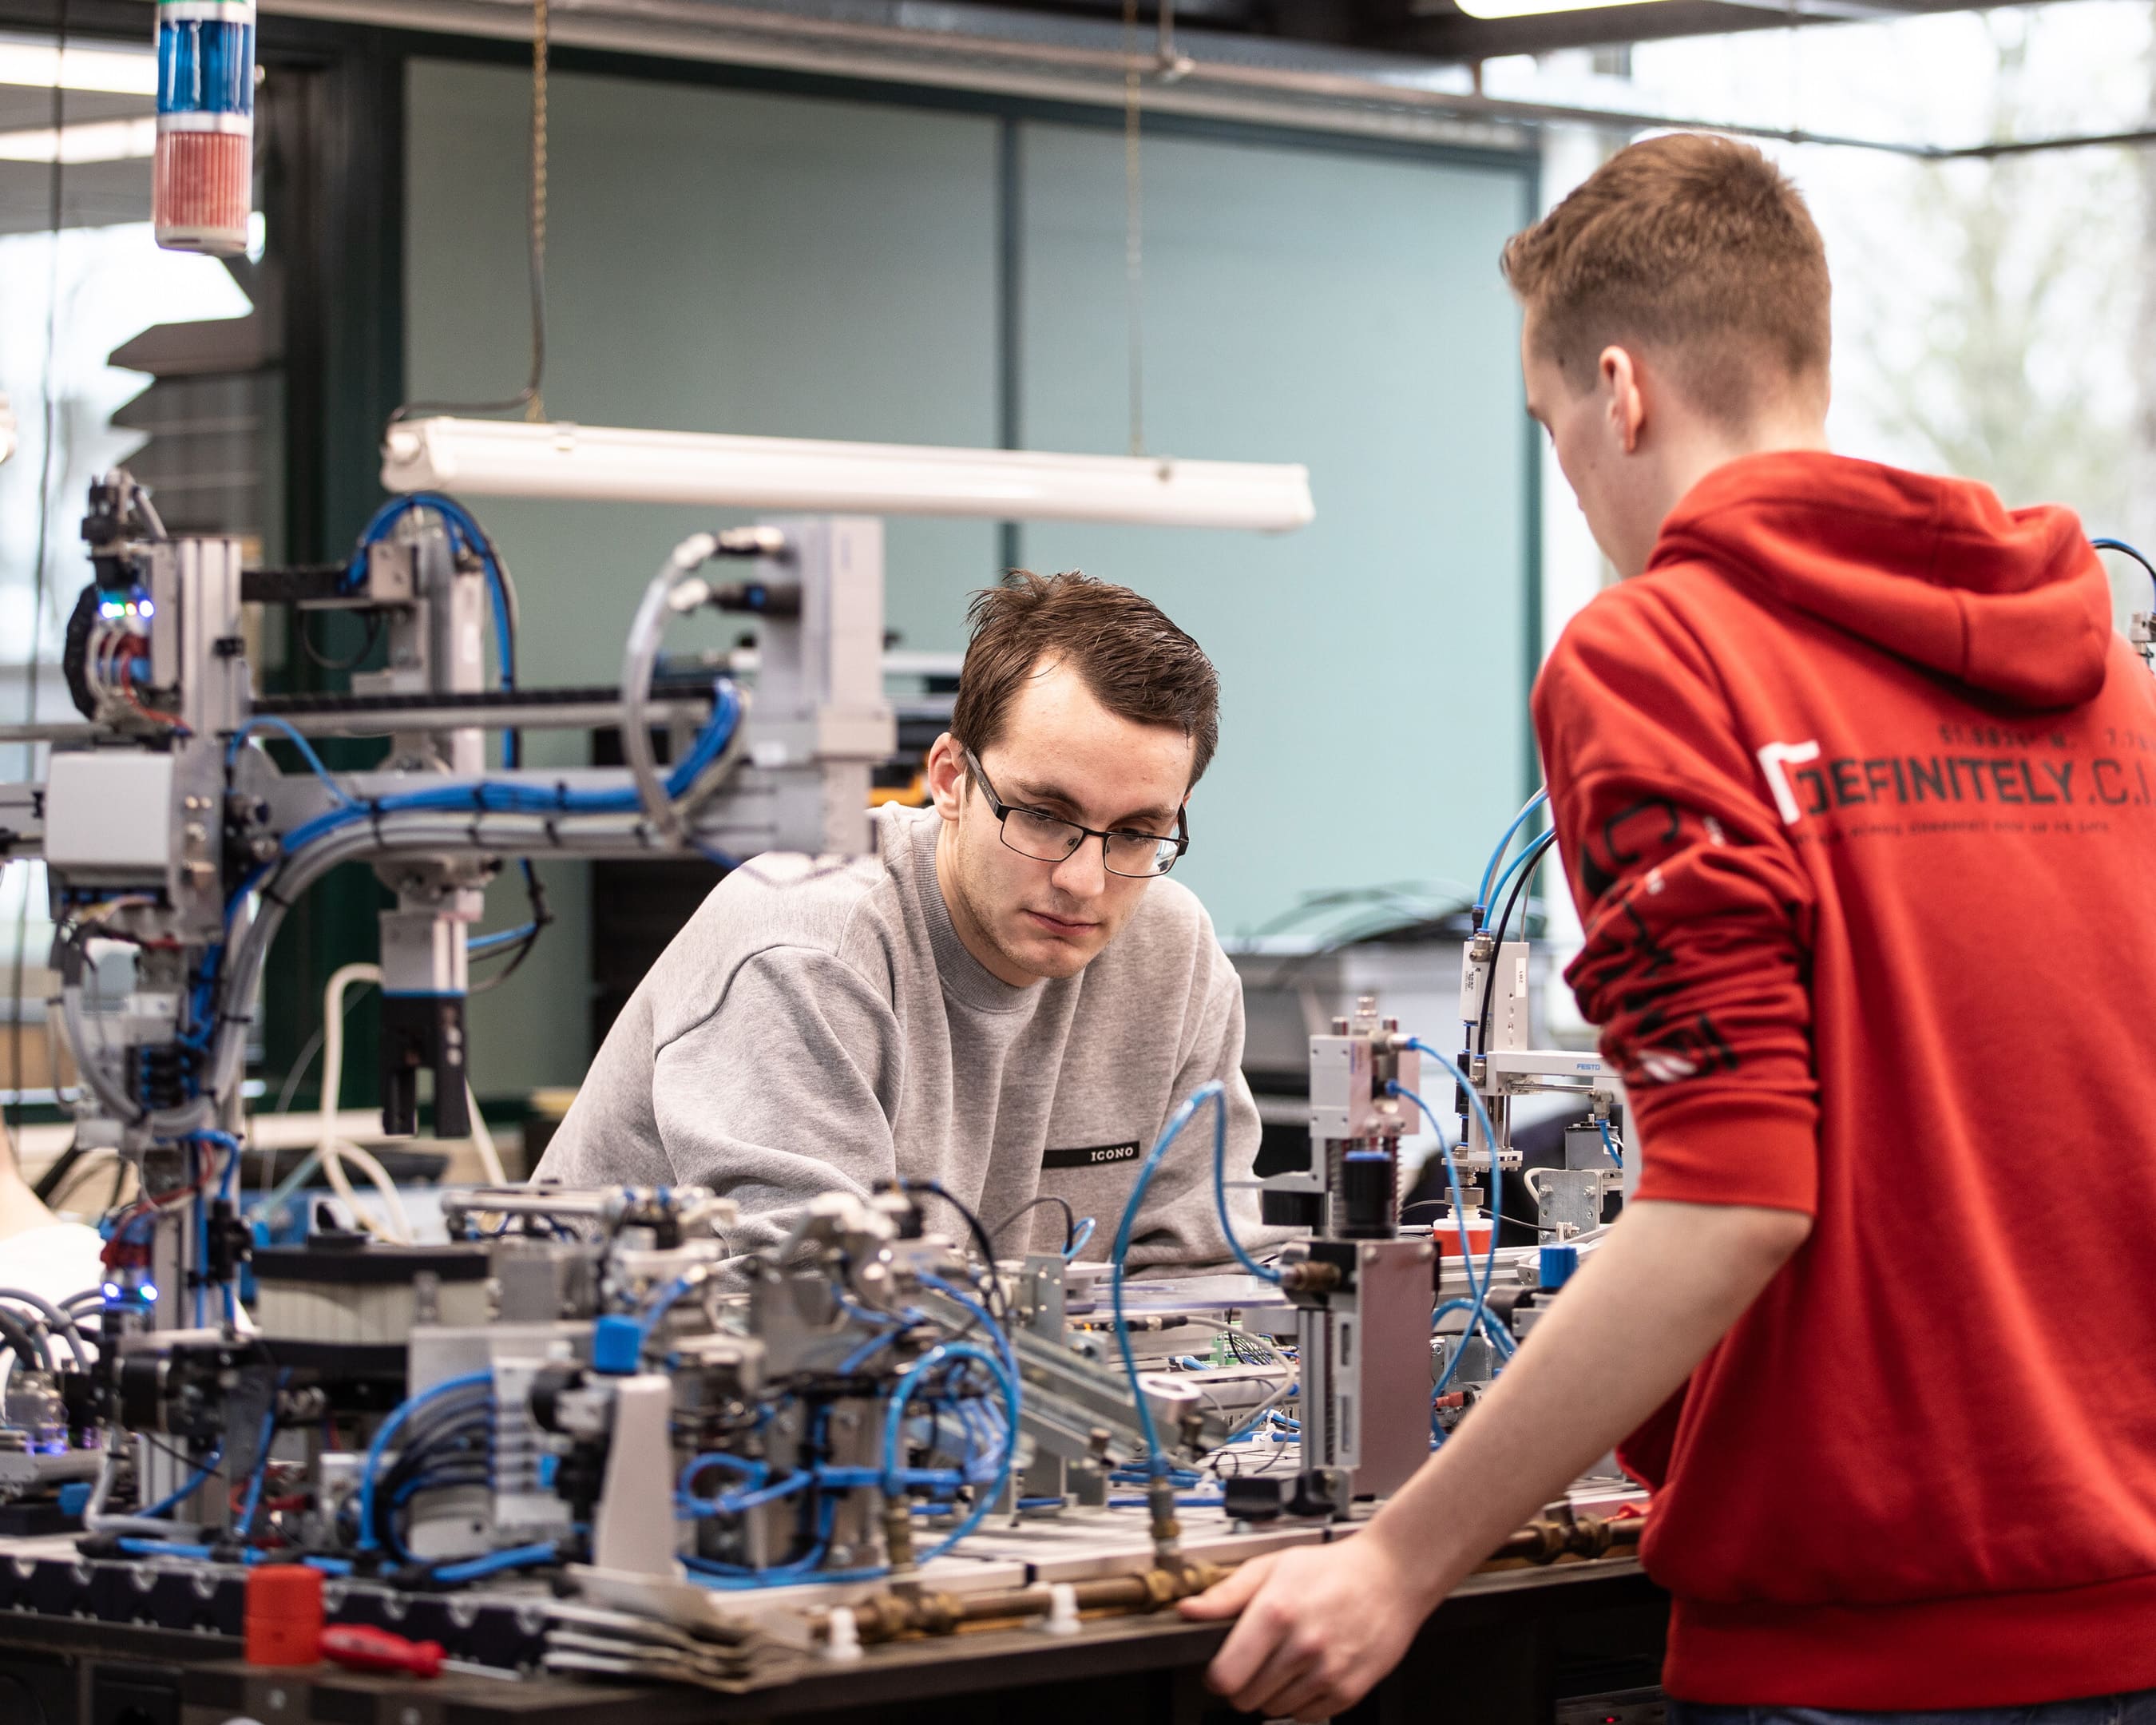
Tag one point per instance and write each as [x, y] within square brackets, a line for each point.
[1559, 1264]
[617, 1345]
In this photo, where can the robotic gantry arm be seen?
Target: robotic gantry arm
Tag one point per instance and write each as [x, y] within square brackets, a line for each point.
[164, 833]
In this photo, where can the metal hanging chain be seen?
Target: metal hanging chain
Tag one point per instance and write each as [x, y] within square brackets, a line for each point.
[1134, 225]
[529, 397]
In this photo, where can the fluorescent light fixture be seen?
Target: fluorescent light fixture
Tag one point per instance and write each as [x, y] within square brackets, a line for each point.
[116, 71]
[1536, 8]
[503, 458]
[93, 140]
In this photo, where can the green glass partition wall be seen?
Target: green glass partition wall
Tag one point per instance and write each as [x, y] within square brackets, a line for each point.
[735, 259]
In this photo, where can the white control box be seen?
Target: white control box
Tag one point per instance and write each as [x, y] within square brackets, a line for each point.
[110, 813]
[1506, 998]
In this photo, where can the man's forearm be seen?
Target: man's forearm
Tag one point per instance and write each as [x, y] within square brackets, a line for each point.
[1642, 1313]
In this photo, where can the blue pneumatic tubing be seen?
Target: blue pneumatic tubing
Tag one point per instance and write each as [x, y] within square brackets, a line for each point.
[894, 1476]
[1156, 1461]
[1496, 856]
[389, 1429]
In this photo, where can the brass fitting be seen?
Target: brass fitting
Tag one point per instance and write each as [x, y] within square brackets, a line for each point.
[1167, 1530]
[898, 1536]
[885, 1617]
[1547, 1538]
[1309, 1276]
[1189, 1577]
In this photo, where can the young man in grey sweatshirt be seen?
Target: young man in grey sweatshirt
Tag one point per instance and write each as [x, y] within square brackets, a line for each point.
[1006, 998]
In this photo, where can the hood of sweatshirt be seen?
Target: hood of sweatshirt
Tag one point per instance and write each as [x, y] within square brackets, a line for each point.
[2012, 601]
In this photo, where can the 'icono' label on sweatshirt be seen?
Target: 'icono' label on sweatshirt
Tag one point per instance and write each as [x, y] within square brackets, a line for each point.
[1092, 1156]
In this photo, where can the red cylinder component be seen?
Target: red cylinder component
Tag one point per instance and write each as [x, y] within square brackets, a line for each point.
[203, 191]
[284, 1615]
[1445, 1235]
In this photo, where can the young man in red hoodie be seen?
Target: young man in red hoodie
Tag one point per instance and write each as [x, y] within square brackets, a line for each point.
[1855, 785]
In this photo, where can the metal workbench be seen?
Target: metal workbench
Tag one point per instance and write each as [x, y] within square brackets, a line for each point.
[1511, 1647]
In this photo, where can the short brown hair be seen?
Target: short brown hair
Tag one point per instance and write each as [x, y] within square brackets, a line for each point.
[1696, 245]
[1137, 665]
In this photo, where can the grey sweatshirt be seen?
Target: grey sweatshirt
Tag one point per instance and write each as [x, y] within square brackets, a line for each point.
[819, 1027]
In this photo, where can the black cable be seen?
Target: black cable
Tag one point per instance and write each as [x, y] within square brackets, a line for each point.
[1069, 1217]
[444, 1440]
[512, 754]
[451, 1434]
[460, 1465]
[1426, 1204]
[55, 1176]
[512, 621]
[1535, 855]
[65, 1187]
[191, 1464]
[2126, 550]
[452, 1420]
[997, 1306]
[65, 1191]
[516, 954]
[512, 607]
[455, 1413]
[542, 915]
[456, 1439]
[315, 656]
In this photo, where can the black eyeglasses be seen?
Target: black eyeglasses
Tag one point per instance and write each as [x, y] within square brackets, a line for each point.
[1049, 838]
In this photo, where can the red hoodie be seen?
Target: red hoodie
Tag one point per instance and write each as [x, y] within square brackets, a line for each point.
[1854, 786]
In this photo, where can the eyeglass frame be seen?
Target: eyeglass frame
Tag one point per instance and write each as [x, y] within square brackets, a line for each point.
[1002, 811]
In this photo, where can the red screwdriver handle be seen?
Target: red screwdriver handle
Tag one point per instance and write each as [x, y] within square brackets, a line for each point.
[365, 1649]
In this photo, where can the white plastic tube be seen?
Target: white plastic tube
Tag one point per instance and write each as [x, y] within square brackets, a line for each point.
[94, 1520]
[490, 1158]
[334, 1151]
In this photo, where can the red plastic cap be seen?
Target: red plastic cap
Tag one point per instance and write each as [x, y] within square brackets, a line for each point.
[284, 1615]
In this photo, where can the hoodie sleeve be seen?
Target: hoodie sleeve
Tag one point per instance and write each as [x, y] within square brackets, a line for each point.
[1697, 911]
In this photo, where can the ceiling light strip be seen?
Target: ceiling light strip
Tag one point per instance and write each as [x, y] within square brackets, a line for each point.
[501, 457]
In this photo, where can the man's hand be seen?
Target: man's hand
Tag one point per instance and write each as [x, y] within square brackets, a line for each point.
[1320, 1625]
